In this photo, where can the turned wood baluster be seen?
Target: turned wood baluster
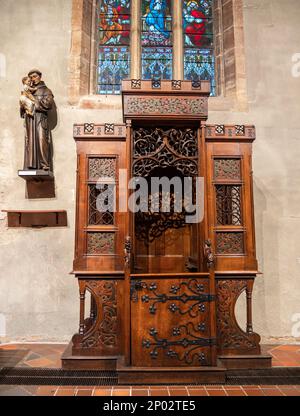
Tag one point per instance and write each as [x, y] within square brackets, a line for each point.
[249, 307]
[93, 312]
[82, 291]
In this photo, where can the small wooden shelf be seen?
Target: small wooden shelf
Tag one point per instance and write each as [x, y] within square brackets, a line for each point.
[36, 219]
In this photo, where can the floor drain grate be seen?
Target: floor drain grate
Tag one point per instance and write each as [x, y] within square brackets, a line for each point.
[59, 377]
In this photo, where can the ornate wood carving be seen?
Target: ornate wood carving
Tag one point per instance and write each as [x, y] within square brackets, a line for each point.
[227, 168]
[127, 251]
[165, 148]
[102, 167]
[99, 131]
[100, 243]
[165, 106]
[230, 243]
[99, 333]
[238, 133]
[230, 337]
[208, 254]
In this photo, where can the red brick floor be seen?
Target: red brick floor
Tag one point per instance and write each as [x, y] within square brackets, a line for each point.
[178, 391]
[48, 356]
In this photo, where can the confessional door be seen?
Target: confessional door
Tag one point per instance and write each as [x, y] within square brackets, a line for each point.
[171, 289]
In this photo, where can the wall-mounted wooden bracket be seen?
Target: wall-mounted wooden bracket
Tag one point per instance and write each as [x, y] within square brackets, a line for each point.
[36, 219]
[36, 175]
[39, 183]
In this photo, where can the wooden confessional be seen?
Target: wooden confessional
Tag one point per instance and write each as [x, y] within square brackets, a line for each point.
[158, 292]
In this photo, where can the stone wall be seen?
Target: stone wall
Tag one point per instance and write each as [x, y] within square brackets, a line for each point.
[38, 297]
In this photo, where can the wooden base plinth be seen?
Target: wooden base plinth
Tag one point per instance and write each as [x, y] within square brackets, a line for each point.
[169, 375]
[81, 362]
[245, 362]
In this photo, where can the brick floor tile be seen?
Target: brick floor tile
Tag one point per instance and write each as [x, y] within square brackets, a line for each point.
[234, 392]
[253, 392]
[198, 392]
[177, 392]
[82, 392]
[121, 392]
[46, 390]
[212, 392]
[272, 392]
[156, 392]
[102, 392]
[66, 392]
[137, 392]
[289, 392]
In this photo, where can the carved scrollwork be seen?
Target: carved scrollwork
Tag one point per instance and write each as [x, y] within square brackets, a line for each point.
[230, 243]
[231, 338]
[166, 105]
[179, 142]
[102, 332]
[163, 148]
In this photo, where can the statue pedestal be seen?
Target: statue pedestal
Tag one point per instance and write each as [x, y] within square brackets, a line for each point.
[39, 183]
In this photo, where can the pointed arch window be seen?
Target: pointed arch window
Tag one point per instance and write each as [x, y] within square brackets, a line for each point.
[114, 25]
[158, 26]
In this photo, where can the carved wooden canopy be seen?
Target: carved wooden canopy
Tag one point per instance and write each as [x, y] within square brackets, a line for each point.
[180, 100]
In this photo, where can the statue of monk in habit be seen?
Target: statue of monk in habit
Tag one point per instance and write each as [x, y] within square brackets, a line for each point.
[35, 102]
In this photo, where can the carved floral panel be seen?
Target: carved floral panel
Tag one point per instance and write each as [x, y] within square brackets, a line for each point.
[102, 167]
[227, 169]
[100, 243]
[230, 243]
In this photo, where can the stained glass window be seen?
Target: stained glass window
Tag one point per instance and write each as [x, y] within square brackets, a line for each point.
[199, 62]
[114, 38]
[156, 39]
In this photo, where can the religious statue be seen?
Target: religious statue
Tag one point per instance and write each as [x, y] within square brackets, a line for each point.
[155, 18]
[35, 102]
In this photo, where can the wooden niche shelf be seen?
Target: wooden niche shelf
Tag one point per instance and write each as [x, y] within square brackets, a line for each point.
[36, 219]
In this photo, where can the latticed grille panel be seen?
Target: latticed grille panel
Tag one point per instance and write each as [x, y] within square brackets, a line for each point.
[101, 204]
[228, 205]
[230, 243]
[100, 243]
[102, 167]
[165, 148]
[227, 169]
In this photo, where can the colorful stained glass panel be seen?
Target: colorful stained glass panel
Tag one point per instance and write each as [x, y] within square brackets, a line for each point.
[156, 23]
[197, 23]
[114, 38]
[199, 64]
[157, 63]
[114, 22]
[114, 65]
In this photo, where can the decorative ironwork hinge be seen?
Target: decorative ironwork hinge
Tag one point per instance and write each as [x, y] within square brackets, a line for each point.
[135, 286]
